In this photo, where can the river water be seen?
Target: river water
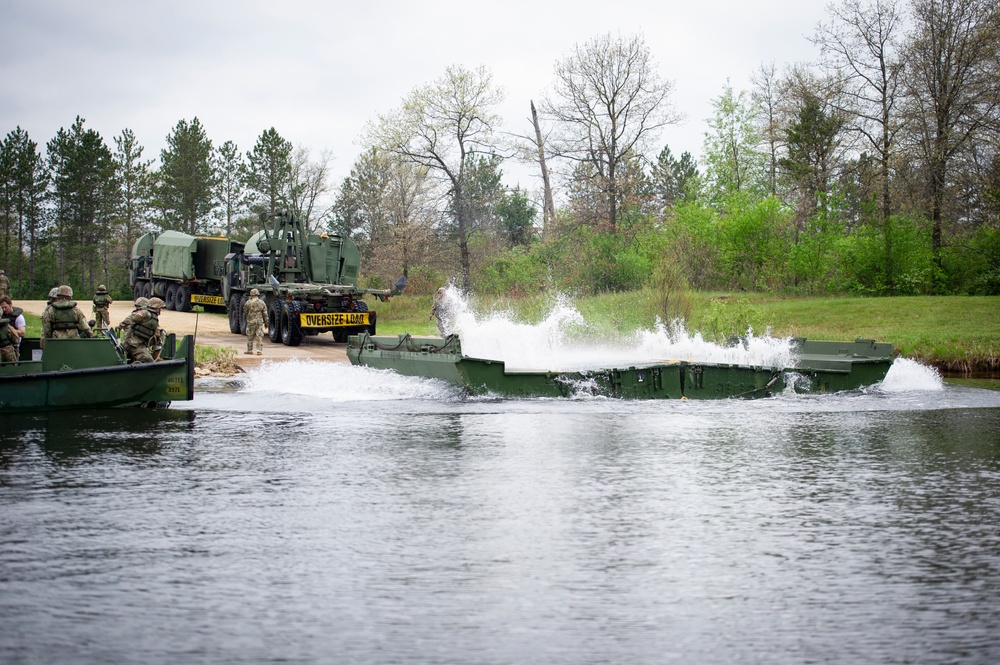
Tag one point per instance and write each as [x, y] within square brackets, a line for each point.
[313, 512]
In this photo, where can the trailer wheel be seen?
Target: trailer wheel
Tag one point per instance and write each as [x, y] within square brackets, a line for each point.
[274, 321]
[234, 314]
[171, 294]
[182, 299]
[291, 333]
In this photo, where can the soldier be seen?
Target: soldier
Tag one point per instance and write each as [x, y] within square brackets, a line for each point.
[8, 342]
[102, 303]
[47, 312]
[141, 326]
[441, 310]
[4, 283]
[65, 319]
[15, 315]
[256, 313]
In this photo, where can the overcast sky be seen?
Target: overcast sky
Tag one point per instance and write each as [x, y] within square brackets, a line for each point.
[318, 72]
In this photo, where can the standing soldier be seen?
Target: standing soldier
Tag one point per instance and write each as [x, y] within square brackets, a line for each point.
[65, 319]
[141, 325]
[4, 283]
[8, 342]
[441, 310]
[256, 312]
[102, 303]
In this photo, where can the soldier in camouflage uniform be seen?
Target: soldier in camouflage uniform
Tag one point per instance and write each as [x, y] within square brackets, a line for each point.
[256, 312]
[4, 283]
[102, 301]
[8, 342]
[141, 326]
[64, 320]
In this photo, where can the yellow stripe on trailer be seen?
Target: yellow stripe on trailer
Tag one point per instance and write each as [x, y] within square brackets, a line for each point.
[333, 319]
[199, 299]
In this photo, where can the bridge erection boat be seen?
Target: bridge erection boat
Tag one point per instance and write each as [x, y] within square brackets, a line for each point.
[93, 373]
[819, 367]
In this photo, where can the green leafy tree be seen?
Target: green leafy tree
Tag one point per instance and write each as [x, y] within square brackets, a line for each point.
[23, 182]
[732, 160]
[85, 193]
[186, 179]
[673, 179]
[230, 185]
[812, 140]
[269, 172]
[134, 179]
[385, 205]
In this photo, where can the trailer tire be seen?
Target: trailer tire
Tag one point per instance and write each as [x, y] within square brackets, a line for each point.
[291, 333]
[274, 321]
[234, 314]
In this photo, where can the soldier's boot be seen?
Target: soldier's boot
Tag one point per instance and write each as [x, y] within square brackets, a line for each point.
[260, 353]
[249, 353]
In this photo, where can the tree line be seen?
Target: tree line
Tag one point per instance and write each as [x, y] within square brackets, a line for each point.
[874, 170]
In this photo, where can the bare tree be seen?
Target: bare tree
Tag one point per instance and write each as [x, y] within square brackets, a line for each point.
[860, 45]
[765, 99]
[441, 127]
[609, 105]
[952, 84]
[309, 186]
[549, 206]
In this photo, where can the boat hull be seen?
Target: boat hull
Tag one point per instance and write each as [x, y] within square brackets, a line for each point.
[821, 367]
[93, 373]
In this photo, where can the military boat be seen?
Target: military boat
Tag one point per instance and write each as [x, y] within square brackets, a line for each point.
[93, 373]
[819, 367]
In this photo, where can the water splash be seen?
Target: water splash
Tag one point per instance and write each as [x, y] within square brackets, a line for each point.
[562, 341]
[907, 375]
[339, 382]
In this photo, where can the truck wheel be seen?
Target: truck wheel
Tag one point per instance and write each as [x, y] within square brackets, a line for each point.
[137, 291]
[291, 333]
[234, 314]
[182, 299]
[171, 293]
[242, 315]
[147, 290]
[274, 321]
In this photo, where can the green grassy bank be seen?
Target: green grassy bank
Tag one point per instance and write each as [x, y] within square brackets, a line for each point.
[953, 333]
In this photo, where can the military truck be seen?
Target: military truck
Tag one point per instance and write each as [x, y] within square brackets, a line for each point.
[181, 269]
[309, 282]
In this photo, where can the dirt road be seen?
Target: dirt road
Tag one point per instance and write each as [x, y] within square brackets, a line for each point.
[213, 330]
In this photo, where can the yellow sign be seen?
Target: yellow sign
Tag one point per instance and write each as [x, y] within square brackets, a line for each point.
[199, 299]
[333, 319]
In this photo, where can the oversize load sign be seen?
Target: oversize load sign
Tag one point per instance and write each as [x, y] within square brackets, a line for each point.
[333, 319]
[199, 299]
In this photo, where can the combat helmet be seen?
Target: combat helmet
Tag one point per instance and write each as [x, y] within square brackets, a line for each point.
[53, 292]
[156, 303]
[64, 291]
[102, 289]
[141, 302]
[254, 292]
